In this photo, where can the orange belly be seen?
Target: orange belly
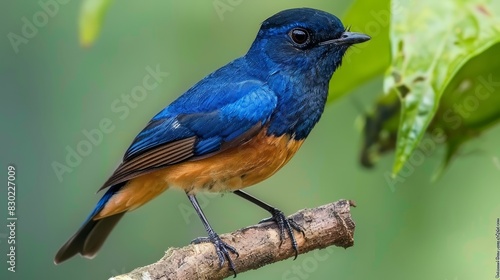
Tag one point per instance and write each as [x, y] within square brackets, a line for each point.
[233, 169]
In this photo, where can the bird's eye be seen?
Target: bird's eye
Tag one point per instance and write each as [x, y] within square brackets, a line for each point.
[300, 36]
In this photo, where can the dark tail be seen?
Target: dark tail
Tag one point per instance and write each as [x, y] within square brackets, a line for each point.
[92, 234]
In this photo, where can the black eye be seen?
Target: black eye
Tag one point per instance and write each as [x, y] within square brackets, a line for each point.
[300, 36]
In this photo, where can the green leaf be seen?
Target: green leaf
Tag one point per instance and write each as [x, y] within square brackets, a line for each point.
[470, 104]
[365, 61]
[91, 16]
[430, 41]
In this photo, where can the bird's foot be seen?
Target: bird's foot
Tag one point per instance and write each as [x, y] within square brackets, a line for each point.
[221, 248]
[287, 225]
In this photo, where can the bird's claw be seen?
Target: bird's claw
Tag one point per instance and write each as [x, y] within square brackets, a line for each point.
[285, 224]
[221, 248]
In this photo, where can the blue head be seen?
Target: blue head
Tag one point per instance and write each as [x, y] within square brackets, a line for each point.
[304, 41]
[297, 51]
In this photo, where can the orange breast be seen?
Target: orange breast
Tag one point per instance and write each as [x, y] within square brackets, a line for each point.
[233, 169]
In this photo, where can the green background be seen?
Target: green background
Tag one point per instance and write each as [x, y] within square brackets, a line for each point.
[52, 89]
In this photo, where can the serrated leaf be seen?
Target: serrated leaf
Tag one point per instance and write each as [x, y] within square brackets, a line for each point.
[91, 16]
[430, 42]
[372, 18]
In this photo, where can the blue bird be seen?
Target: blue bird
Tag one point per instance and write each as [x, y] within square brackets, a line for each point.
[233, 129]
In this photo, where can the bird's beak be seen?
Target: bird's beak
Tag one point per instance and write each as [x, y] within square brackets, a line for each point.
[348, 38]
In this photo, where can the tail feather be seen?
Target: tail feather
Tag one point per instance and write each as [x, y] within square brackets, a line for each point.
[92, 234]
[88, 239]
[98, 235]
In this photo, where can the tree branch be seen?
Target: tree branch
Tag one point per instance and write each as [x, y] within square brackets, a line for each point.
[258, 245]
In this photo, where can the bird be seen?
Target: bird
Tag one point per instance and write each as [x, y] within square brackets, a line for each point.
[233, 129]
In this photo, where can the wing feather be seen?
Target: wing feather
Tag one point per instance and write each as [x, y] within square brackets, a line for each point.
[185, 131]
[151, 160]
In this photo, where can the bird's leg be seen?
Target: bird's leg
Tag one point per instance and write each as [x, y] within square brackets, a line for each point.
[221, 248]
[278, 217]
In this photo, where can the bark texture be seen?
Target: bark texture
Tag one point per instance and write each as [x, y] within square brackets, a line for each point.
[257, 245]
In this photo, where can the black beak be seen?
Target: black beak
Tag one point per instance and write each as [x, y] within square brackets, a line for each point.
[348, 38]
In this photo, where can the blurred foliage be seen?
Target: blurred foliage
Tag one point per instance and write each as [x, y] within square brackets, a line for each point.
[92, 13]
[431, 42]
[54, 90]
[366, 61]
[468, 107]
[470, 104]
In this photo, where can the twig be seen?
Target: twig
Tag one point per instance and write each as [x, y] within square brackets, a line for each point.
[258, 245]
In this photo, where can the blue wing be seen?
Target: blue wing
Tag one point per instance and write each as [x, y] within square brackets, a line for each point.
[204, 121]
[246, 104]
